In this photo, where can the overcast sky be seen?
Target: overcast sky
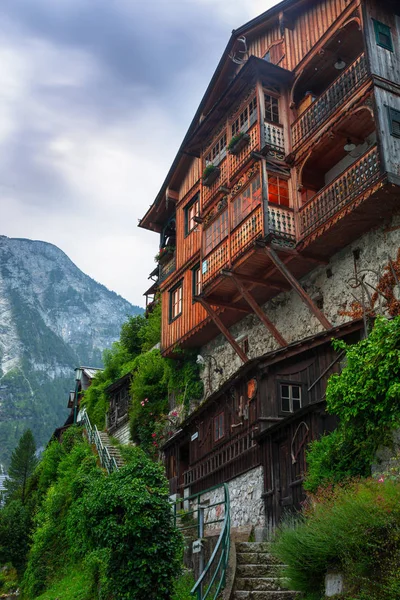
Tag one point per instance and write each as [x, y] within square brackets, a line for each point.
[95, 98]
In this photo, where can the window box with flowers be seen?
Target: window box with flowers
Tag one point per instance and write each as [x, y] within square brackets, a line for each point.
[210, 175]
[238, 142]
[164, 254]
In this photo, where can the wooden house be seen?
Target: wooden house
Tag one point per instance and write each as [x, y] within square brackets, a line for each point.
[291, 157]
[118, 408]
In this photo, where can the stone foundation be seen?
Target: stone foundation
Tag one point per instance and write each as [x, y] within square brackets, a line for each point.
[122, 433]
[330, 284]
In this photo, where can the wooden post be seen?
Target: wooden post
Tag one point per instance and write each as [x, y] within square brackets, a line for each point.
[224, 330]
[297, 287]
[258, 311]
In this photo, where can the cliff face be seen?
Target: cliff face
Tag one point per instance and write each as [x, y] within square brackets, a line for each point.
[53, 318]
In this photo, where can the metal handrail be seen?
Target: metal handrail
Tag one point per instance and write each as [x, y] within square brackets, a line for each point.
[107, 461]
[215, 568]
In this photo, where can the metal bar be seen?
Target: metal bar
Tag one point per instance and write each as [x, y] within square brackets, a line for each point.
[297, 287]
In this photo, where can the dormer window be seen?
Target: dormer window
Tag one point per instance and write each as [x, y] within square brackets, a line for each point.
[217, 152]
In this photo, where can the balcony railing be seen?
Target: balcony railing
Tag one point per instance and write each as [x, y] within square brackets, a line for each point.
[341, 89]
[281, 222]
[167, 268]
[209, 192]
[245, 233]
[214, 262]
[236, 161]
[340, 192]
[274, 137]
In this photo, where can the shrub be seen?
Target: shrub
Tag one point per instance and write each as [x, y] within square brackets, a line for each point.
[208, 170]
[355, 529]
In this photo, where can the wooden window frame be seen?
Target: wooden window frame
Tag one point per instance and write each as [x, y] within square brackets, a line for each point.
[223, 232]
[253, 201]
[247, 117]
[278, 178]
[195, 283]
[393, 115]
[270, 118]
[195, 200]
[217, 426]
[217, 152]
[290, 385]
[382, 28]
[171, 293]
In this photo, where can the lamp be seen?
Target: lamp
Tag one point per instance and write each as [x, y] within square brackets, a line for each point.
[198, 220]
[339, 64]
[349, 146]
[78, 374]
[200, 360]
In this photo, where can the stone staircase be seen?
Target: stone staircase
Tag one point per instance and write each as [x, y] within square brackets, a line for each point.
[257, 574]
[112, 450]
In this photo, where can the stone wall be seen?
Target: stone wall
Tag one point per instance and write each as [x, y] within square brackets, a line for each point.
[329, 283]
[246, 502]
[122, 433]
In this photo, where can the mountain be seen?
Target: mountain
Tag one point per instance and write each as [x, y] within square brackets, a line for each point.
[53, 318]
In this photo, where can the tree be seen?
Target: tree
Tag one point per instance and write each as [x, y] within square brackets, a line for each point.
[22, 465]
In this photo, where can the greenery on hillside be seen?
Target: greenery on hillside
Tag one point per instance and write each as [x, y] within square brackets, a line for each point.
[351, 522]
[96, 532]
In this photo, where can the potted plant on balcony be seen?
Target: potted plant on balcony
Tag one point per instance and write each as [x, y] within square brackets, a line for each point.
[238, 142]
[164, 254]
[210, 174]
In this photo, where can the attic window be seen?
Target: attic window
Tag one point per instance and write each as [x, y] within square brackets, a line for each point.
[267, 56]
[394, 121]
[290, 397]
[383, 35]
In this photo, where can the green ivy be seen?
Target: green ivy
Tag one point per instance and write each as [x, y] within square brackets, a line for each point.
[365, 397]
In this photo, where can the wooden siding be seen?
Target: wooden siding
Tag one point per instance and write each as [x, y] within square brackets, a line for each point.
[192, 312]
[187, 245]
[190, 179]
[390, 145]
[383, 62]
[266, 41]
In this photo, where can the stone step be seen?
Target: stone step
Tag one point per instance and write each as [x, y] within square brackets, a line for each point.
[253, 547]
[266, 595]
[255, 558]
[267, 570]
[260, 584]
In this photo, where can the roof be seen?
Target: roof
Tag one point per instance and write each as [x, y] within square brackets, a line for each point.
[266, 16]
[118, 383]
[267, 359]
[90, 372]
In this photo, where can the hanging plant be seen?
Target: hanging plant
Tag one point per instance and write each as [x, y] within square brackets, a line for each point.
[210, 174]
[238, 142]
[164, 253]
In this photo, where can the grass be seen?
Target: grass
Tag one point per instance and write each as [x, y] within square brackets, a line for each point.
[73, 586]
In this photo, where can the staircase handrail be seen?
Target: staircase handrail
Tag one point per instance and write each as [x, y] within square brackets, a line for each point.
[107, 461]
[222, 544]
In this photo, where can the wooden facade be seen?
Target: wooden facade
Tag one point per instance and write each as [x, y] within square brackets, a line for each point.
[118, 403]
[266, 414]
[313, 79]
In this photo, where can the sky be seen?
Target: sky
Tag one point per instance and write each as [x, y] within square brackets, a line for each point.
[95, 98]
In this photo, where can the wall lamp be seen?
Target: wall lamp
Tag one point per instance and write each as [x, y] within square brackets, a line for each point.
[200, 360]
[198, 220]
[339, 64]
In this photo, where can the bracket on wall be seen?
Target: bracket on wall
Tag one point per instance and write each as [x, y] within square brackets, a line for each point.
[297, 287]
[224, 330]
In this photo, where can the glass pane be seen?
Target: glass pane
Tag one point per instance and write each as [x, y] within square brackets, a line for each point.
[285, 405]
[296, 405]
[295, 392]
[285, 391]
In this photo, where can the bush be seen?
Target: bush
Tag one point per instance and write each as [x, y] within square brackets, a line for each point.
[354, 529]
[15, 527]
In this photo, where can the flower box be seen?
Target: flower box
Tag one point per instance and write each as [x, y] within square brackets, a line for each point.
[238, 143]
[210, 176]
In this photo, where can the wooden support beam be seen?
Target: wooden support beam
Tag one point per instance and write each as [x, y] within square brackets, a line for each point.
[274, 285]
[258, 311]
[268, 274]
[297, 287]
[230, 306]
[224, 330]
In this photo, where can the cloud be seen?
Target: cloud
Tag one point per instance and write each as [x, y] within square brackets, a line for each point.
[95, 98]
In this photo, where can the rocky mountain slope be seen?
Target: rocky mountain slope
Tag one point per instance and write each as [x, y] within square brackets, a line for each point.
[53, 318]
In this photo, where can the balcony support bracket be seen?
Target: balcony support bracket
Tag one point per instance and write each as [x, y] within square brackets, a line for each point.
[224, 330]
[297, 287]
[257, 309]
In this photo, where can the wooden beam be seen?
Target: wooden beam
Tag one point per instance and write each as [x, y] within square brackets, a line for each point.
[224, 330]
[230, 306]
[275, 285]
[268, 274]
[297, 287]
[258, 311]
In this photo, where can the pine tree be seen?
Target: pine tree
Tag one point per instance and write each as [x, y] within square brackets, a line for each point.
[22, 465]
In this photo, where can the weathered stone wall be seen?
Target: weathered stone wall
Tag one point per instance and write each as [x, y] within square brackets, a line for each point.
[291, 316]
[122, 433]
[247, 505]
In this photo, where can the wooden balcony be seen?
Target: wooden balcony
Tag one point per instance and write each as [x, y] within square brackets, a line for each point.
[334, 96]
[167, 268]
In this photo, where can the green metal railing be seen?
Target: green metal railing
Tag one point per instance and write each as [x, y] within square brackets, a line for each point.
[212, 576]
[107, 462]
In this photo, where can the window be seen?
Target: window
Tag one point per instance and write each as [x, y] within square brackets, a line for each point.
[246, 201]
[278, 190]
[246, 118]
[192, 209]
[175, 302]
[216, 231]
[394, 121]
[219, 430]
[217, 152]
[196, 281]
[271, 108]
[290, 397]
[383, 35]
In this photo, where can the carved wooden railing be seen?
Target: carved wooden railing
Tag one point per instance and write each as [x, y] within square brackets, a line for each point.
[274, 136]
[340, 192]
[220, 457]
[208, 192]
[216, 260]
[236, 161]
[281, 222]
[167, 268]
[341, 89]
[246, 232]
